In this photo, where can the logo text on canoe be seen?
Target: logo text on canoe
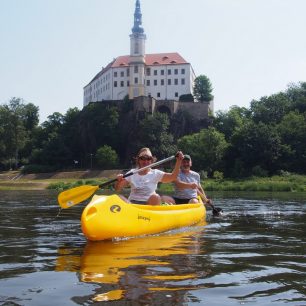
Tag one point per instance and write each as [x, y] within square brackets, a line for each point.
[115, 208]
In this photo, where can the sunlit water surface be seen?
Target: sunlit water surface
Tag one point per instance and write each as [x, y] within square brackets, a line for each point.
[253, 255]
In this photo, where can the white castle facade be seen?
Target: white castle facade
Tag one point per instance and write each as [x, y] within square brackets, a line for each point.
[162, 76]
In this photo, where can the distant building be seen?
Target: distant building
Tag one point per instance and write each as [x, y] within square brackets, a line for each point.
[163, 76]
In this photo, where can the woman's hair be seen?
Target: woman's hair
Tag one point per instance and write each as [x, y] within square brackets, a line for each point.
[142, 152]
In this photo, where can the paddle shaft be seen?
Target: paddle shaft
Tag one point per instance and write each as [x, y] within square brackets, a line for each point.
[138, 170]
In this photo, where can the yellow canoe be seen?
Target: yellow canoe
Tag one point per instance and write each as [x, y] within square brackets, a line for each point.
[107, 217]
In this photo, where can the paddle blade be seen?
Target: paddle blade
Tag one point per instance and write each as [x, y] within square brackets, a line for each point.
[71, 197]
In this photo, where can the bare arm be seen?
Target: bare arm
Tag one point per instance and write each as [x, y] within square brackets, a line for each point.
[121, 183]
[184, 185]
[202, 194]
[170, 177]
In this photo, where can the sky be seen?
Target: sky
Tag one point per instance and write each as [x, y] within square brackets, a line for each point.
[51, 49]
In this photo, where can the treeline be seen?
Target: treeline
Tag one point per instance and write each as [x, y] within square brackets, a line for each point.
[267, 138]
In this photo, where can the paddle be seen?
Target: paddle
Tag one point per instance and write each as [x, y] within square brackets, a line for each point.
[71, 197]
[216, 210]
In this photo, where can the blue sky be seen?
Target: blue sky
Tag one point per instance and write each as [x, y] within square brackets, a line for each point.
[50, 49]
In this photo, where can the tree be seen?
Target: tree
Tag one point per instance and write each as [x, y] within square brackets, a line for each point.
[207, 149]
[153, 132]
[229, 122]
[292, 130]
[17, 122]
[270, 109]
[202, 89]
[256, 145]
[106, 157]
[297, 96]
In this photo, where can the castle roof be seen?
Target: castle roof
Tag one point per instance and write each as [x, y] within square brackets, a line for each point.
[151, 60]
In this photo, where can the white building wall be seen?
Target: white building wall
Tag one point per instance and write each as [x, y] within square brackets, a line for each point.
[164, 82]
[169, 82]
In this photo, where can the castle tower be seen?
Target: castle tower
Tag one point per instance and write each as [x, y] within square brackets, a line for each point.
[137, 56]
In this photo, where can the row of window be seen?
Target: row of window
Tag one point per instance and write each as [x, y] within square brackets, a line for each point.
[148, 72]
[158, 95]
[148, 82]
[162, 71]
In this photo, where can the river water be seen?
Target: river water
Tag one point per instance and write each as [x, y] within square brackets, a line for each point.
[253, 255]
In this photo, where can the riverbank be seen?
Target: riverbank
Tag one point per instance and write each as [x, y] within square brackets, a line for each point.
[14, 180]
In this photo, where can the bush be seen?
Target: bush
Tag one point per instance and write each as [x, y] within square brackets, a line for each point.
[186, 98]
[107, 158]
[217, 175]
[259, 172]
[33, 168]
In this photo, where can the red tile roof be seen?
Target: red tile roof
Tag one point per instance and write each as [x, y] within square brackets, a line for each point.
[152, 59]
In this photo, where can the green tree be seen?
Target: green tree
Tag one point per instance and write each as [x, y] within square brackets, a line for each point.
[296, 93]
[106, 157]
[207, 149]
[17, 121]
[255, 144]
[292, 130]
[230, 122]
[270, 109]
[202, 89]
[153, 132]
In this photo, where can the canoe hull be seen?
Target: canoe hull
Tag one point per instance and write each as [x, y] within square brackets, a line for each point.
[107, 217]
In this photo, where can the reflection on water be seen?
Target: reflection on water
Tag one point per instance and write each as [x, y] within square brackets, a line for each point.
[254, 254]
[137, 265]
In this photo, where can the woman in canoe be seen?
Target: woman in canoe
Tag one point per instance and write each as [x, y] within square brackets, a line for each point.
[144, 183]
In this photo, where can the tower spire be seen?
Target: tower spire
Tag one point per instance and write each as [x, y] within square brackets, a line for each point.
[137, 29]
[137, 56]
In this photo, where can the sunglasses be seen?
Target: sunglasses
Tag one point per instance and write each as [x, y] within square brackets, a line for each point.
[145, 158]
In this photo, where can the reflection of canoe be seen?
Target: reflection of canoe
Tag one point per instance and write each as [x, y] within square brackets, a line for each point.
[107, 217]
[106, 261]
[129, 263]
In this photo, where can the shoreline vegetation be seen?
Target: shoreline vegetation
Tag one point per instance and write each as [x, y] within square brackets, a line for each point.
[14, 180]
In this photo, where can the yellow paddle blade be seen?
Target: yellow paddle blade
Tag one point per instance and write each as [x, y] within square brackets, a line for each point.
[71, 197]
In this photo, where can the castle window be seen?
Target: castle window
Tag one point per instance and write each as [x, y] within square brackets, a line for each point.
[122, 73]
[155, 72]
[155, 82]
[175, 81]
[183, 71]
[183, 81]
[115, 84]
[155, 63]
[136, 47]
[162, 82]
[169, 71]
[162, 72]
[128, 72]
[148, 71]
[158, 95]
[148, 82]
[115, 74]
[176, 94]
[169, 81]
[135, 69]
[122, 83]
[128, 83]
[136, 80]
[175, 71]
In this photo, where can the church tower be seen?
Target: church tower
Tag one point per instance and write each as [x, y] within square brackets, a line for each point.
[137, 56]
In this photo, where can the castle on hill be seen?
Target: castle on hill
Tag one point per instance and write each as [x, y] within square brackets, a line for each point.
[154, 81]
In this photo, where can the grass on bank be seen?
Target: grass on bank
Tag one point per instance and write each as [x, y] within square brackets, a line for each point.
[288, 183]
